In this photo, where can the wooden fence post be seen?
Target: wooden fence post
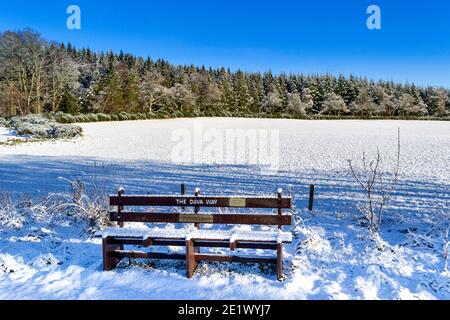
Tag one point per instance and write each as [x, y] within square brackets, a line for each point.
[120, 193]
[280, 195]
[197, 209]
[311, 197]
[183, 192]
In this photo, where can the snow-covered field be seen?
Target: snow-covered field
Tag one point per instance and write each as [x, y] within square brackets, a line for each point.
[332, 256]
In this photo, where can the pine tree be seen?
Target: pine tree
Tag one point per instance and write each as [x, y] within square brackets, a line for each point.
[241, 92]
[256, 92]
[132, 90]
[69, 103]
[282, 89]
[226, 86]
[438, 102]
[113, 101]
[318, 94]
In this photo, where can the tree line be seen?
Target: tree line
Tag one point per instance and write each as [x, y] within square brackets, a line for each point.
[39, 76]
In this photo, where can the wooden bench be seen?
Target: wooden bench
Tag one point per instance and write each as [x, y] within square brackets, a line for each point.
[114, 239]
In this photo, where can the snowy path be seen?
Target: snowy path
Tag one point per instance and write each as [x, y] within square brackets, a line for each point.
[331, 259]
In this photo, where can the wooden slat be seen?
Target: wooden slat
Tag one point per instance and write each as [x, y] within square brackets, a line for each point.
[120, 254]
[252, 219]
[215, 202]
[197, 243]
[147, 255]
[221, 258]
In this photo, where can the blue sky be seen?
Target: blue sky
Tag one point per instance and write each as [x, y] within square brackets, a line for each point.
[284, 35]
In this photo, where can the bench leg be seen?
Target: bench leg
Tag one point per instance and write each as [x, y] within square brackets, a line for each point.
[109, 261]
[191, 264]
[280, 275]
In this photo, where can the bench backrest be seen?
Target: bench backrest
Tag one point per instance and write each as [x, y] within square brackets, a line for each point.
[279, 202]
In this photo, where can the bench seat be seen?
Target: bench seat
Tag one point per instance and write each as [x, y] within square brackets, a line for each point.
[186, 234]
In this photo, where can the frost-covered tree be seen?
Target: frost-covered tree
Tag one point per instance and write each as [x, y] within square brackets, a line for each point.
[363, 104]
[307, 100]
[334, 105]
[183, 98]
[272, 102]
[439, 100]
[152, 91]
[62, 74]
[411, 106]
[295, 104]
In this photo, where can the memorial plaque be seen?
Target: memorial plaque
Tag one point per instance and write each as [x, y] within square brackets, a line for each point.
[237, 202]
[196, 218]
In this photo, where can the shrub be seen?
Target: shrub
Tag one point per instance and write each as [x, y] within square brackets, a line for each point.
[32, 125]
[88, 209]
[31, 118]
[36, 126]
[133, 116]
[141, 116]
[91, 117]
[103, 117]
[66, 131]
[115, 117]
[3, 122]
[33, 130]
[62, 117]
[81, 118]
[123, 116]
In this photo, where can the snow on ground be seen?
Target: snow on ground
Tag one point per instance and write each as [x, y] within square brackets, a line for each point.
[331, 257]
[7, 134]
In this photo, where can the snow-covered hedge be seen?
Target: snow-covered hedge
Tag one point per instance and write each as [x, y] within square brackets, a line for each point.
[125, 116]
[3, 122]
[40, 127]
[100, 117]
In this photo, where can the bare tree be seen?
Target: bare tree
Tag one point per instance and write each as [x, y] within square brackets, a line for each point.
[183, 98]
[62, 72]
[152, 90]
[378, 191]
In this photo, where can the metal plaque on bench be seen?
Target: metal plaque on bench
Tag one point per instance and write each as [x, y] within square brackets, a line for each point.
[196, 218]
[237, 202]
